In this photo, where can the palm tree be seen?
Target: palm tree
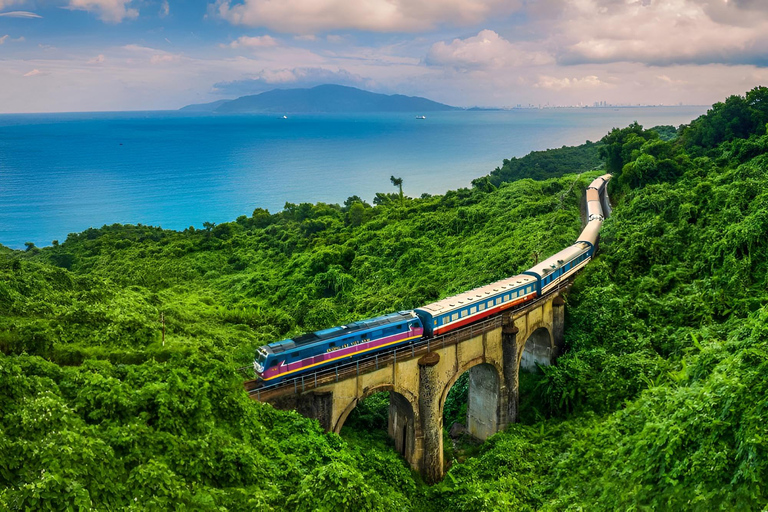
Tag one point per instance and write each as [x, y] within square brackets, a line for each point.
[398, 182]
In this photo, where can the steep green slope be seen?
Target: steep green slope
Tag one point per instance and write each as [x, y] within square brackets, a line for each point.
[660, 402]
[173, 428]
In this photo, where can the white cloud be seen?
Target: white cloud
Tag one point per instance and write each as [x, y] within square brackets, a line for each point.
[109, 11]
[8, 3]
[311, 16]
[164, 58]
[268, 79]
[3, 38]
[558, 84]
[264, 41]
[19, 14]
[306, 37]
[137, 54]
[165, 9]
[661, 32]
[333, 38]
[34, 72]
[486, 50]
[99, 59]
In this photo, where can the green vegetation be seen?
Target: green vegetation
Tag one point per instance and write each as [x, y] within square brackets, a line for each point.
[542, 165]
[658, 403]
[97, 411]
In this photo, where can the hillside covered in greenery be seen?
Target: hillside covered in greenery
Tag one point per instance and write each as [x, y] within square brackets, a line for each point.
[659, 401]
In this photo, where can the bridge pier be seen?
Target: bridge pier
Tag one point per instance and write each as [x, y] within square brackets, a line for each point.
[510, 355]
[401, 427]
[431, 418]
[558, 326]
[483, 402]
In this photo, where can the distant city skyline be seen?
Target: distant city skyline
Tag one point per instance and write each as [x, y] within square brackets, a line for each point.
[92, 55]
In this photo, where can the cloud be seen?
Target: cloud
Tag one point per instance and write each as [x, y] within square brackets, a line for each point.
[306, 37]
[165, 9]
[109, 11]
[19, 14]
[294, 78]
[8, 3]
[558, 84]
[6, 37]
[164, 58]
[138, 54]
[312, 16]
[662, 32]
[99, 59]
[252, 42]
[486, 50]
[35, 72]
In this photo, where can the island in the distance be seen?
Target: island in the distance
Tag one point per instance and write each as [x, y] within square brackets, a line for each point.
[321, 99]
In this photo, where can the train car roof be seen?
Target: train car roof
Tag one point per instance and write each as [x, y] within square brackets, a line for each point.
[556, 260]
[489, 290]
[591, 231]
[334, 332]
[599, 182]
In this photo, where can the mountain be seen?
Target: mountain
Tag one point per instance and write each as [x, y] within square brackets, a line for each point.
[324, 98]
[204, 107]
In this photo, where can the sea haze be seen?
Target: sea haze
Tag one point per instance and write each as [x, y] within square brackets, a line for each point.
[63, 173]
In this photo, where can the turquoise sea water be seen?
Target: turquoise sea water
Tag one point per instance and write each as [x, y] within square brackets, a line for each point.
[62, 173]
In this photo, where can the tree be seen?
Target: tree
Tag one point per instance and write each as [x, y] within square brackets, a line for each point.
[398, 182]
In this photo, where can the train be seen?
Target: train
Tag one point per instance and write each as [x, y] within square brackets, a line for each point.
[317, 350]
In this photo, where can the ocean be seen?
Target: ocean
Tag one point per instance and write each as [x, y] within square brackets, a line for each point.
[63, 173]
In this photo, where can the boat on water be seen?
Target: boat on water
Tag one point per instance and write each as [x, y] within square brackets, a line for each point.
[285, 117]
[421, 117]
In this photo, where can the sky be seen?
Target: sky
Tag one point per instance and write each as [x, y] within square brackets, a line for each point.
[95, 55]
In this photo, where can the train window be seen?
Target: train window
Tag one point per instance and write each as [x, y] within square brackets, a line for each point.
[481, 307]
[454, 316]
[473, 310]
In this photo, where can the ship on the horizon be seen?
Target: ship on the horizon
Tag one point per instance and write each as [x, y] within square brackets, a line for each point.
[421, 117]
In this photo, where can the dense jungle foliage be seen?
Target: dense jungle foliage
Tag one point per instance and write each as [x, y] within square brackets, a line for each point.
[660, 401]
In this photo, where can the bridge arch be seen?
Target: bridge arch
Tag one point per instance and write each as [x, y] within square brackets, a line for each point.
[484, 396]
[403, 425]
[538, 349]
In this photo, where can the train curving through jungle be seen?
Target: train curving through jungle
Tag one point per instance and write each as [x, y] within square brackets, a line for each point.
[312, 351]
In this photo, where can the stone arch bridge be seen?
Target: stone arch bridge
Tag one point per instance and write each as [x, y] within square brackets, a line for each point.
[418, 378]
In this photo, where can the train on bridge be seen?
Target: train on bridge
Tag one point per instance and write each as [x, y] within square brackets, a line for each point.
[313, 351]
